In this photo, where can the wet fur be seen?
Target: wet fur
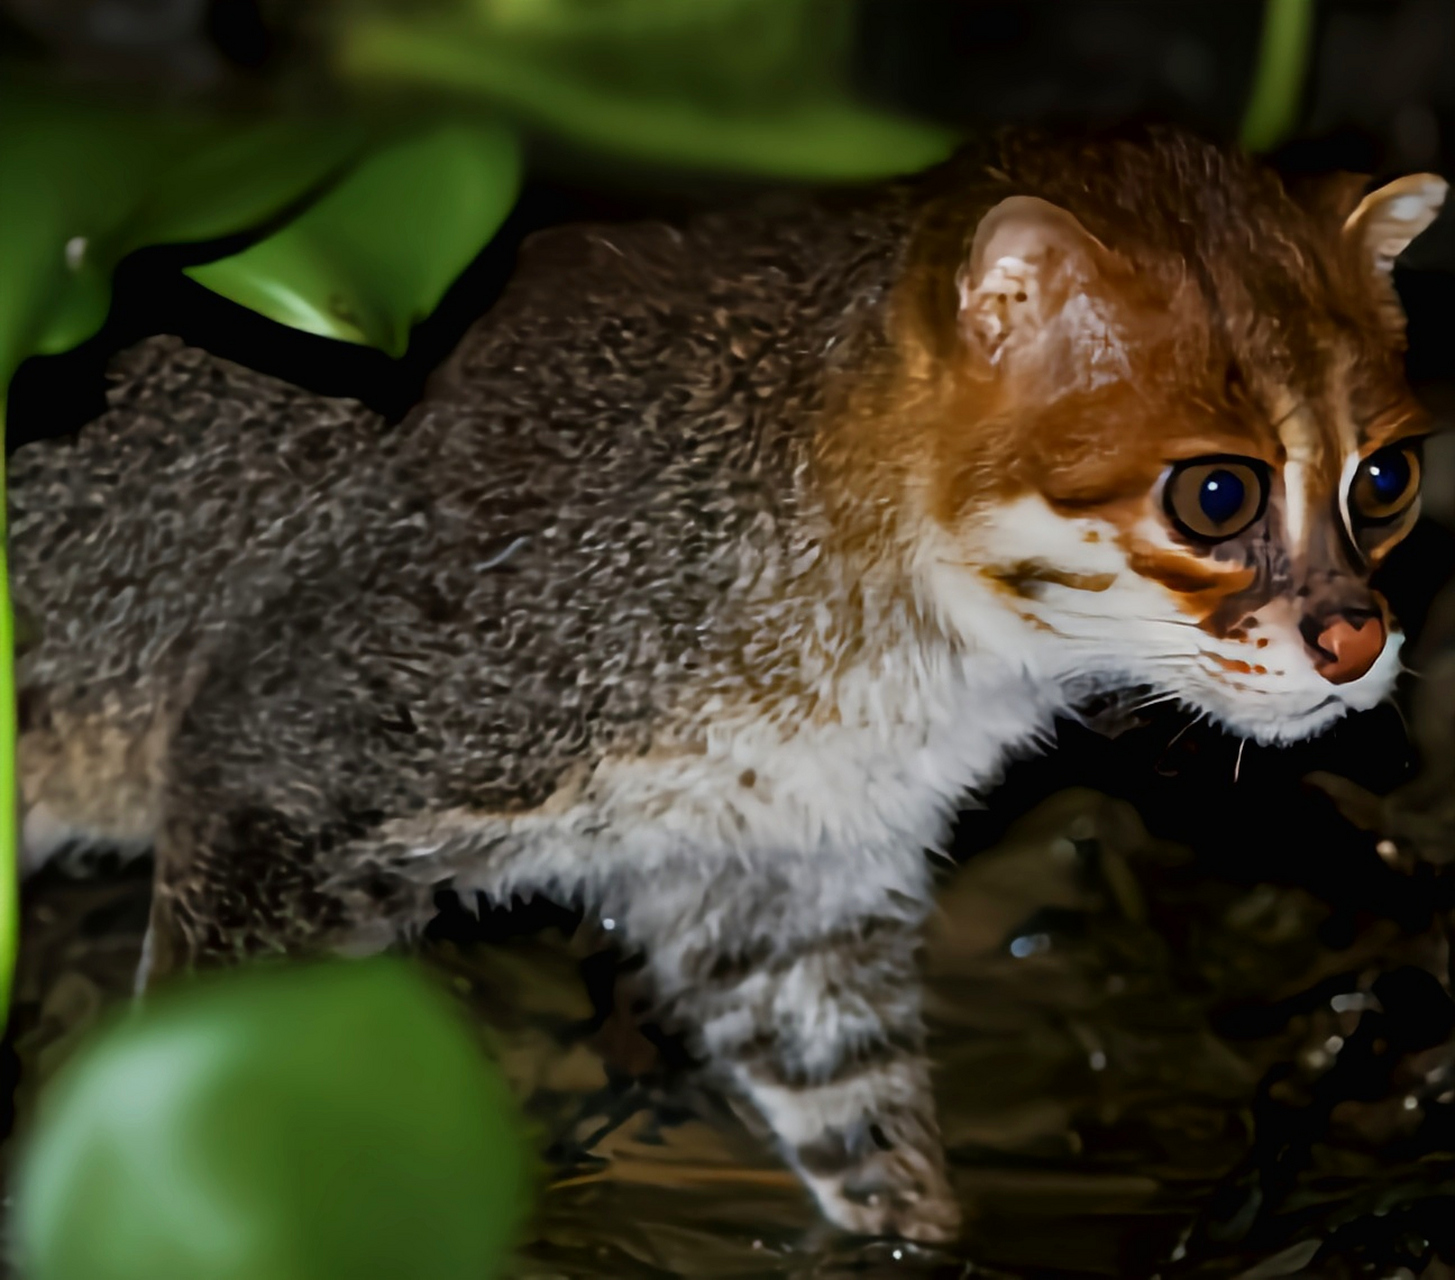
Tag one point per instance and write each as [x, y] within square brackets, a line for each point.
[713, 570]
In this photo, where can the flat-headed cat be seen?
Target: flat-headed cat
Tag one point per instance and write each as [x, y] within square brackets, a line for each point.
[715, 567]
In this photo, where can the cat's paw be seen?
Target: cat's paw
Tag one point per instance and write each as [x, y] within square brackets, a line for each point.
[901, 1192]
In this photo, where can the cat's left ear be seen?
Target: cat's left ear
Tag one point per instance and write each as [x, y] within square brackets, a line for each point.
[1386, 221]
[1029, 262]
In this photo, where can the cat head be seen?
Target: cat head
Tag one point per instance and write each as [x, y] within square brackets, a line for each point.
[1164, 426]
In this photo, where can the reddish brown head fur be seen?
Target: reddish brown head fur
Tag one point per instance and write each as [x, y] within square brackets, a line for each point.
[1081, 320]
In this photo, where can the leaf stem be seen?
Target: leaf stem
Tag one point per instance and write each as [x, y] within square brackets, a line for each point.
[9, 801]
[1278, 80]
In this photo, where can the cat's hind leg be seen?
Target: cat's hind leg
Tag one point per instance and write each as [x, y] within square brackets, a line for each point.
[87, 771]
[282, 771]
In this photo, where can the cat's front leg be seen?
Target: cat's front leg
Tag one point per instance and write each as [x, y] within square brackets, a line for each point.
[867, 1145]
[820, 1028]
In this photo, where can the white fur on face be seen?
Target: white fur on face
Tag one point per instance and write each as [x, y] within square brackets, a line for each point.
[1105, 626]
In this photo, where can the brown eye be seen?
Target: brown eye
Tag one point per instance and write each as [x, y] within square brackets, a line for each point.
[1215, 498]
[1385, 484]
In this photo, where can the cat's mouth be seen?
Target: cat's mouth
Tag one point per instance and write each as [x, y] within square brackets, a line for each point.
[1317, 718]
[1267, 711]
[1282, 713]
[1114, 713]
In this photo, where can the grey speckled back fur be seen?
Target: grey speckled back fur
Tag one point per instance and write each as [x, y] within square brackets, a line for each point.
[522, 574]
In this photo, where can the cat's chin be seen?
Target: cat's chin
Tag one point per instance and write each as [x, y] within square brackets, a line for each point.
[1288, 727]
[1281, 717]
[1279, 713]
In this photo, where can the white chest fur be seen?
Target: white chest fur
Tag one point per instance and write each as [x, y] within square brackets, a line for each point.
[857, 796]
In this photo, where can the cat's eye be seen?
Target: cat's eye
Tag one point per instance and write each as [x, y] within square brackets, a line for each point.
[1215, 498]
[1385, 485]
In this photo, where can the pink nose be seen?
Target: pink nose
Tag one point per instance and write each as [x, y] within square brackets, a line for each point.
[1354, 649]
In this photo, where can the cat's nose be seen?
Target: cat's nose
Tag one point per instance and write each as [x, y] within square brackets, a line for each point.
[1347, 646]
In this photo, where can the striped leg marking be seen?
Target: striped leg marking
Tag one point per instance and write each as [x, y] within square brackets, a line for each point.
[823, 1035]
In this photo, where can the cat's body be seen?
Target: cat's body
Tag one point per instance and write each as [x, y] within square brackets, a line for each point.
[675, 599]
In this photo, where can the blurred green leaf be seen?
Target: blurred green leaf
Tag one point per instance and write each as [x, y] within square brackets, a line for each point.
[744, 55]
[322, 1122]
[375, 255]
[748, 86]
[1283, 62]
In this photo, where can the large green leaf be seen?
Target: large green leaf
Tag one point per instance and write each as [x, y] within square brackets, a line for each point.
[244, 175]
[747, 86]
[87, 183]
[328, 1122]
[374, 256]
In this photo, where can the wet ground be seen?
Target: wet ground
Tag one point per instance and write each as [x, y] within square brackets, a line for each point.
[1190, 1004]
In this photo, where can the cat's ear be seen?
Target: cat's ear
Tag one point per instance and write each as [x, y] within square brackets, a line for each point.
[1028, 262]
[1385, 222]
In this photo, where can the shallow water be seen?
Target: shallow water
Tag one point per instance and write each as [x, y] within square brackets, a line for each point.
[1225, 1049]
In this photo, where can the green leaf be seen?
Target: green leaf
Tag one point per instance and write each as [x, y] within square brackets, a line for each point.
[686, 101]
[245, 175]
[375, 255]
[746, 55]
[70, 176]
[293, 1122]
[87, 183]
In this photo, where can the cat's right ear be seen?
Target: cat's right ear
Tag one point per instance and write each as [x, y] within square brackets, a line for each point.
[1383, 225]
[1029, 262]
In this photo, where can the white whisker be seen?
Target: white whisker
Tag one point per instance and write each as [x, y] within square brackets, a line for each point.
[1156, 700]
[1177, 737]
